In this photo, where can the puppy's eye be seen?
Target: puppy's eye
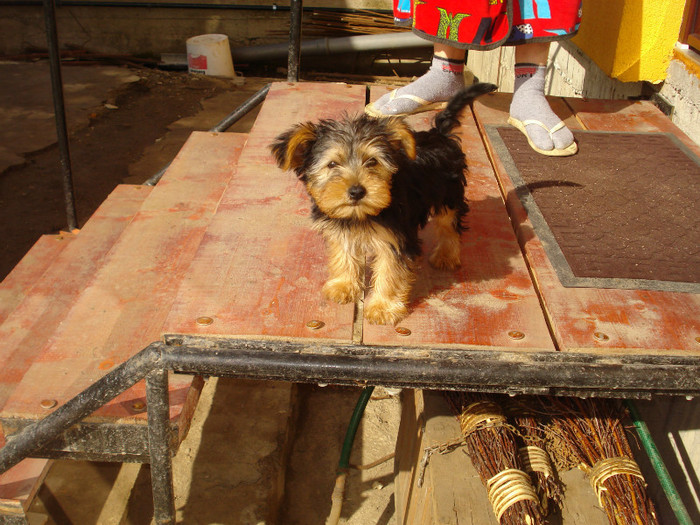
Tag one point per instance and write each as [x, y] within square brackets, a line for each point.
[370, 162]
[331, 165]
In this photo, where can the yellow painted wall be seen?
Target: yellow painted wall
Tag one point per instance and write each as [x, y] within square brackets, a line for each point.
[631, 40]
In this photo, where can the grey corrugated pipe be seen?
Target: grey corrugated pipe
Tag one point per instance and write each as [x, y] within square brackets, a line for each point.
[330, 46]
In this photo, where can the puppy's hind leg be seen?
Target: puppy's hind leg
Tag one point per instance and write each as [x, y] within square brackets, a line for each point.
[345, 268]
[445, 255]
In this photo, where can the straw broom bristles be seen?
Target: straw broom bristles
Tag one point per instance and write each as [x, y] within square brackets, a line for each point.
[360, 22]
[491, 446]
[533, 453]
[594, 434]
[335, 23]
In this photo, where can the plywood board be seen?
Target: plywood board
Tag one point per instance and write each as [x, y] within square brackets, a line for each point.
[37, 296]
[260, 267]
[19, 485]
[32, 266]
[490, 301]
[611, 321]
[122, 309]
[28, 329]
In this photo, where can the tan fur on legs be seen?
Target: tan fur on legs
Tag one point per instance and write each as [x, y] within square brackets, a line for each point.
[345, 266]
[392, 279]
[445, 255]
[373, 184]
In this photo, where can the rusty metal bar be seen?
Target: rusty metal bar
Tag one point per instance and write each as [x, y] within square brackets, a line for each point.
[230, 119]
[114, 383]
[159, 443]
[294, 41]
[479, 370]
[350, 364]
[60, 113]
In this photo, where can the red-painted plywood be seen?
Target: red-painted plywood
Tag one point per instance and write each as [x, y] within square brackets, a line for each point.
[260, 267]
[19, 485]
[490, 300]
[123, 309]
[46, 304]
[609, 320]
[32, 266]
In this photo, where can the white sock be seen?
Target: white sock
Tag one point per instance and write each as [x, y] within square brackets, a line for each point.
[443, 80]
[529, 103]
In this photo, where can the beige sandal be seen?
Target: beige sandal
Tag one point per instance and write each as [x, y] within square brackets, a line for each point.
[571, 149]
[423, 105]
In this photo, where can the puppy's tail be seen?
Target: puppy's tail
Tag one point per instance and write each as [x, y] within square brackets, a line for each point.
[448, 118]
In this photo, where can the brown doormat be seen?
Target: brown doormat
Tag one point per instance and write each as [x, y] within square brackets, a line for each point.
[621, 213]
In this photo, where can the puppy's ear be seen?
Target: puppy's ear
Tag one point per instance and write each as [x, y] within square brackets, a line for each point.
[292, 146]
[401, 136]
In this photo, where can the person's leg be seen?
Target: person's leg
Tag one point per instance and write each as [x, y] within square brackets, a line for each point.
[529, 103]
[443, 80]
[449, 52]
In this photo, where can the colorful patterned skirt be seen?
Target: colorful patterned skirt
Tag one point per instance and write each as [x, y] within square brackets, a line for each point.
[486, 24]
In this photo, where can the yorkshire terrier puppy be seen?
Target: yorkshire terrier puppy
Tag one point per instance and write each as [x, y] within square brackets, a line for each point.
[373, 184]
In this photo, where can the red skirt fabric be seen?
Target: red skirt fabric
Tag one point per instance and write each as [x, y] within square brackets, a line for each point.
[486, 24]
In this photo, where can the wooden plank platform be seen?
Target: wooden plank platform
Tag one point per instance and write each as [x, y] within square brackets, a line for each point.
[32, 311]
[255, 283]
[260, 268]
[47, 300]
[609, 321]
[18, 486]
[490, 301]
[120, 310]
[32, 266]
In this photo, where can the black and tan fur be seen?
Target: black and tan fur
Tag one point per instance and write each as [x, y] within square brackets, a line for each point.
[373, 184]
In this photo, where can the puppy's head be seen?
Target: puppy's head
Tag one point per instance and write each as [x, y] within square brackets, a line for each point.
[348, 164]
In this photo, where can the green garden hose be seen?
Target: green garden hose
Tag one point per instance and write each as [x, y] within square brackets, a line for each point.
[344, 462]
[657, 462]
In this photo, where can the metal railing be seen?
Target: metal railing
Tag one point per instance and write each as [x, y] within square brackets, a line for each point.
[49, 8]
[342, 364]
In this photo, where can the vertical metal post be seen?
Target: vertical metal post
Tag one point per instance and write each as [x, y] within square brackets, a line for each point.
[160, 448]
[294, 41]
[60, 112]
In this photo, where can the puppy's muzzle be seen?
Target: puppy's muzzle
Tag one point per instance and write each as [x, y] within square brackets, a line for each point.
[356, 192]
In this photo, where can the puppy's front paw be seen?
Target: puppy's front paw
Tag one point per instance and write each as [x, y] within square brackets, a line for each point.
[382, 311]
[341, 291]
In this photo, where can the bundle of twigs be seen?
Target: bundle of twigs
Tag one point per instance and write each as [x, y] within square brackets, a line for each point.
[318, 24]
[491, 445]
[533, 452]
[359, 22]
[595, 435]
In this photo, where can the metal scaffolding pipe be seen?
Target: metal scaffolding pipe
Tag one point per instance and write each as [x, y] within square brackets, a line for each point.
[223, 6]
[330, 46]
[39, 434]
[60, 113]
[159, 446]
[294, 46]
[228, 121]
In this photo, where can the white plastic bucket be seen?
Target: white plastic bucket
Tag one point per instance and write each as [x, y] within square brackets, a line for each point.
[210, 55]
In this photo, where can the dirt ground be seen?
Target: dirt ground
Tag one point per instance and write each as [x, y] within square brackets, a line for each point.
[110, 130]
[125, 125]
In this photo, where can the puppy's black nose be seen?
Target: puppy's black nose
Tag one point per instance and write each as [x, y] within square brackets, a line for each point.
[356, 192]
